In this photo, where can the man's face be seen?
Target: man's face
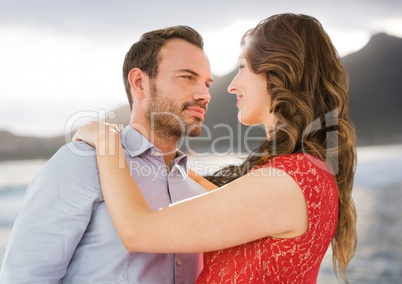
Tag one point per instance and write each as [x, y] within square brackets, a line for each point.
[179, 95]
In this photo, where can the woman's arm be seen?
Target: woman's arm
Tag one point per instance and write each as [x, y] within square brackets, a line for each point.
[201, 180]
[266, 202]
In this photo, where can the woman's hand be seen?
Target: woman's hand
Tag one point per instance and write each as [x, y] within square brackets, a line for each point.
[95, 133]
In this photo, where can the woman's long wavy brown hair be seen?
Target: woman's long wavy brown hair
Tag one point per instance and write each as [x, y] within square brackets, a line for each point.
[309, 89]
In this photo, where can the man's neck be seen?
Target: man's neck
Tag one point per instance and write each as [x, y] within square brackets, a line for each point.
[168, 145]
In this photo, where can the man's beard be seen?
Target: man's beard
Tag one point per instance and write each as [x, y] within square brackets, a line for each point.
[167, 119]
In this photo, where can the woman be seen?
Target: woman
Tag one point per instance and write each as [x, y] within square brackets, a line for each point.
[275, 215]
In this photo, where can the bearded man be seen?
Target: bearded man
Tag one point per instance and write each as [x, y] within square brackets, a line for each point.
[64, 233]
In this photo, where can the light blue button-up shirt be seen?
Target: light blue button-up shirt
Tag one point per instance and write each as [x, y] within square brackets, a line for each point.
[64, 233]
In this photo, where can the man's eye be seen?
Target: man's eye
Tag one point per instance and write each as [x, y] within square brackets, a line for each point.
[187, 77]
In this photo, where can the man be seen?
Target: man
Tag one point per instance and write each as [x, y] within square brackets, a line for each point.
[64, 233]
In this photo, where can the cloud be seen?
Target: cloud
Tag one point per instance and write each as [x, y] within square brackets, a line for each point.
[104, 17]
[61, 57]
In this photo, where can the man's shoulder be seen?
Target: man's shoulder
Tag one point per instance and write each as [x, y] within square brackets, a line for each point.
[72, 168]
[76, 151]
[74, 157]
[80, 149]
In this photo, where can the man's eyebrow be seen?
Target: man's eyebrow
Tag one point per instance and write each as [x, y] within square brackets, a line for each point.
[194, 73]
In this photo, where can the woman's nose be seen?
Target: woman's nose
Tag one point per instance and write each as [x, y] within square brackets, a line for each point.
[231, 88]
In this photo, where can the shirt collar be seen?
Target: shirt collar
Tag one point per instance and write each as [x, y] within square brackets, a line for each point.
[135, 144]
[181, 159]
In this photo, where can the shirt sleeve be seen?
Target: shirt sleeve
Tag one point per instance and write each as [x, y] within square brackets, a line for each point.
[57, 210]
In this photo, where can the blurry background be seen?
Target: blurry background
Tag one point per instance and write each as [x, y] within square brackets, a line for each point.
[60, 66]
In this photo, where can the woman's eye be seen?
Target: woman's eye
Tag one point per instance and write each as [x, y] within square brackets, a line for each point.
[240, 66]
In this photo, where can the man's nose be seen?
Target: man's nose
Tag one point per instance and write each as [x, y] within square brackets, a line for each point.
[202, 94]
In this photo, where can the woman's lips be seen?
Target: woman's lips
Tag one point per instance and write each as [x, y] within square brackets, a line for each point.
[239, 99]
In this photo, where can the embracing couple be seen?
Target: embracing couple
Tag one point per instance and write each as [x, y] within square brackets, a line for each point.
[89, 217]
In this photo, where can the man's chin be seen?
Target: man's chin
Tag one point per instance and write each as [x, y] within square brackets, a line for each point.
[194, 134]
[194, 130]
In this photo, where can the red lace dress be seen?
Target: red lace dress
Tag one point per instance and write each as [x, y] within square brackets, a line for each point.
[279, 260]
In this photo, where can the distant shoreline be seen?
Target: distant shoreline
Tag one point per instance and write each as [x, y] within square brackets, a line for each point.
[47, 147]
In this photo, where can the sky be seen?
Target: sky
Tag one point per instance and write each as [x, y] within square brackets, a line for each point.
[60, 61]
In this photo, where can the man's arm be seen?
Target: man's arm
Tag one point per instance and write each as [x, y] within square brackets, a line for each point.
[58, 207]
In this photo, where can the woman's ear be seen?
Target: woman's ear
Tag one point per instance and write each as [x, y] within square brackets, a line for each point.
[136, 77]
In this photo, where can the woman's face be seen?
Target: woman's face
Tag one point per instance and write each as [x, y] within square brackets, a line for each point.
[253, 99]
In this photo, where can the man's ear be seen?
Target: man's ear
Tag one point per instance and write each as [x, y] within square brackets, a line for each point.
[137, 79]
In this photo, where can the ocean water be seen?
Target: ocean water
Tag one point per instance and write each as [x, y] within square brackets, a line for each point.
[377, 194]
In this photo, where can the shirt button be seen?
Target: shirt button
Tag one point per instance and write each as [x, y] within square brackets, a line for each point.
[179, 262]
[157, 154]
